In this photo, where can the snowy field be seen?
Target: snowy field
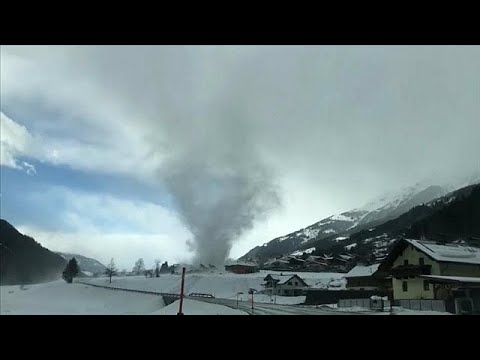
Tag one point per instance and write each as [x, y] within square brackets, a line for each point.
[220, 285]
[60, 298]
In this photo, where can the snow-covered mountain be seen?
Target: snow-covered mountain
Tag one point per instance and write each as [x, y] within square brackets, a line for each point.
[338, 227]
[452, 217]
[87, 265]
[390, 207]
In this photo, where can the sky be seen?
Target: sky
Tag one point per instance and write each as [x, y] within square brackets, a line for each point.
[203, 152]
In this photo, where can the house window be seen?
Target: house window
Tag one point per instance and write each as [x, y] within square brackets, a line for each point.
[296, 283]
[426, 285]
[405, 286]
[405, 262]
[289, 283]
[421, 261]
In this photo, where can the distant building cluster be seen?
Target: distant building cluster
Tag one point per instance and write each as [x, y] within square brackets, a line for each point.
[415, 274]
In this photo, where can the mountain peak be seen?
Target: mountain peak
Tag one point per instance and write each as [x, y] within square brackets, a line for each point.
[338, 227]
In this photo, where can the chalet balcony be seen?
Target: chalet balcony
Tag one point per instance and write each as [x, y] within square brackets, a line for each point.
[410, 271]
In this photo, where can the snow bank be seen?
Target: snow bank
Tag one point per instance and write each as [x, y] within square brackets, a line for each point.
[193, 307]
[396, 311]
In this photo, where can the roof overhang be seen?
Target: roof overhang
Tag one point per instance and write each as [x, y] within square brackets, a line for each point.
[461, 281]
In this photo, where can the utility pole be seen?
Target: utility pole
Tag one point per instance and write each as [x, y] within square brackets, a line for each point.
[181, 293]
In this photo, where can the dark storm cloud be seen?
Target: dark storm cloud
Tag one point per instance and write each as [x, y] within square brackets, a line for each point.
[232, 124]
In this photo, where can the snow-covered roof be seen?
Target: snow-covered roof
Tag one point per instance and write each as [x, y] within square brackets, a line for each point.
[449, 252]
[361, 270]
[282, 279]
[277, 262]
[301, 252]
[279, 277]
[241, 262]
[325, 283]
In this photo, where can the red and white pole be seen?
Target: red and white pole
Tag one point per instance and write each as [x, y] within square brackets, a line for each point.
[181, 293]
[252, 304]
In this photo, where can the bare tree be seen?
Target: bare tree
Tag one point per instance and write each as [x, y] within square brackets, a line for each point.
[111, 270]
[139, 267]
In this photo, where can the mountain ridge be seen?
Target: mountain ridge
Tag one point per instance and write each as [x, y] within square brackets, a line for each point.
[86, 264]
[24, 261]
[338, 228]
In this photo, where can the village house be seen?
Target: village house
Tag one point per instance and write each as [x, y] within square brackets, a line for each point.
[285, 285]
[427, 270]
[280, 264]
[363, 277]
[242, 267]
[315, 264]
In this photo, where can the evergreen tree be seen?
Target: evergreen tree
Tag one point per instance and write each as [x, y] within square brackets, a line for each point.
[71, 270]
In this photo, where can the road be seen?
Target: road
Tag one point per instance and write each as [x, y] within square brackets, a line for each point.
[259, 308]
[272, 309]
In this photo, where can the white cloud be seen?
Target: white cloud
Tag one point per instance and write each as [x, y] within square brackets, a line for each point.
[103, 226]
[15, 142]
[96, 130]
[124, 248]
[113, 156]
[29, 168]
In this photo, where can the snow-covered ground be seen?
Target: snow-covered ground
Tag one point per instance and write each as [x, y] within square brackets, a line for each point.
[396, 311]
[193, 307]
[220, 285]
[60, 298]
[402, 311]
